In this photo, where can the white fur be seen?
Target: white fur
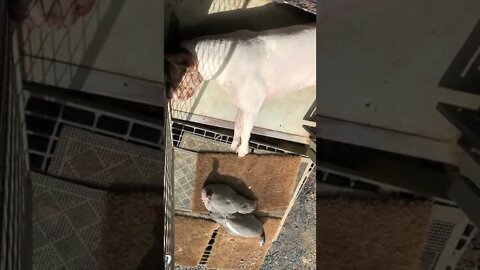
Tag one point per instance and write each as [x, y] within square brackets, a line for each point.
[261, 66]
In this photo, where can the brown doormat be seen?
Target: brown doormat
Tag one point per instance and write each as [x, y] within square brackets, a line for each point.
[268, 179]
[371, 234]
[131, 232]
[191, 238]
[231, 252]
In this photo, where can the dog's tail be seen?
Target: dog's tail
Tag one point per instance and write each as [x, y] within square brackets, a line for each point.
[262, 239]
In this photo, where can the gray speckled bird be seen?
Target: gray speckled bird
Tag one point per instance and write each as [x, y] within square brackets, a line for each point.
[244, 225]
[222, 199]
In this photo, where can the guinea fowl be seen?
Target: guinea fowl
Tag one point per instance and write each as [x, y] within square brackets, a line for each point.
[222, 200]
[244, 225]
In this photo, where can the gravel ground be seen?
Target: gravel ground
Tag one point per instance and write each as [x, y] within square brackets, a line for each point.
[471, 259]
[295, 246]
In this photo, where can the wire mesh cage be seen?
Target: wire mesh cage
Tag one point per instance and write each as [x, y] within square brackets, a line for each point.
[168, 192]
[14, 188]
[53, 120]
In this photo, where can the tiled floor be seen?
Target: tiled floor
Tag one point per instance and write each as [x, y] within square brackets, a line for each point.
[101, 160]
[65, 221]
[67, 216]
[184, 176]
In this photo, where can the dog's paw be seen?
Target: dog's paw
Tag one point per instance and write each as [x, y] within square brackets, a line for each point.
[234, 145]
[242, 151]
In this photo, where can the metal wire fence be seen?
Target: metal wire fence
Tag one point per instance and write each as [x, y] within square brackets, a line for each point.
[15, 210]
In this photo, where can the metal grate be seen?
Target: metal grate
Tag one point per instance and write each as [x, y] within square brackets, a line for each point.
[46, 116]
[437, 238]
[438, 235]
[346, 180]
[179, 129]
[208, 249]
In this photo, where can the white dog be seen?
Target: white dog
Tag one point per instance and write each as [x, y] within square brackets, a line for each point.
[251, 67]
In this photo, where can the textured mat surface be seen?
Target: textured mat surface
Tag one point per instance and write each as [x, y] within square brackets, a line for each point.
[184, 168]
[223, 246]
[102, 160]
[191, 238]
[371, 234]
[268, 179]
[75, 227]
[231, 252]
[131, 235]
[198, 143]
[66, 220]
[184, 177]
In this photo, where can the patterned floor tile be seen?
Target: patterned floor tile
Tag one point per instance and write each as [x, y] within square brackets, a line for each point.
[46, 258]
[59, 239]
[82, 216]
[184, 175]
[103, 160]
[70, 248]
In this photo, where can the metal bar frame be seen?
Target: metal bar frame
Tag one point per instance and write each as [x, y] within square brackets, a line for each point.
[15, 189]
[465, 177]
[97, 82]
[169, 233]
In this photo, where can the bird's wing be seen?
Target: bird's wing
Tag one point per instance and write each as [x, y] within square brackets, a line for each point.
[243, 205]
[222, 205]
